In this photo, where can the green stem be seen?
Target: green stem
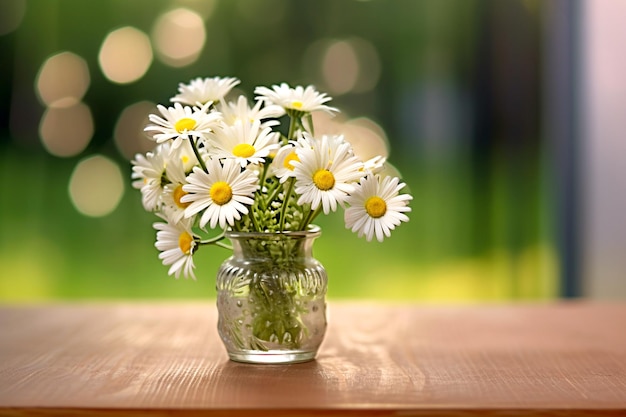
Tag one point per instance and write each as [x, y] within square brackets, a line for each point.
[310, 217]
[197, 153]
[310, 120]
[266, 165]
[216, 241]
[286, 198]
[292, 127]
[213, 240]
[259, 193]
[275, 190]
[252, 219]
[224, 245]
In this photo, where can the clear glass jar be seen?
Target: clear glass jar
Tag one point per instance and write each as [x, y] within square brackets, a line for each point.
[271, 297]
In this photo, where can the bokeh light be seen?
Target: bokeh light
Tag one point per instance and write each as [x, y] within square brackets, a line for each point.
[129, 136]
[96, 186]
[343, 66]
[340, 67]
[204, 8]
[369, 64]
[368, 139]
[125, 55]
[179, 37]
[405, 65]
[66, 131]
[62, 80]
[11, 15]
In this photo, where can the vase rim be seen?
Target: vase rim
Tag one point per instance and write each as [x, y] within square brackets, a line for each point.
[312, 231]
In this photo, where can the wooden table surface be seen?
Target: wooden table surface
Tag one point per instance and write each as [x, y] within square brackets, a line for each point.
[166, 359]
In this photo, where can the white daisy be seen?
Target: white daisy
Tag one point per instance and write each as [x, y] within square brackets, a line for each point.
[247, 143]
[376, 207]
[149, 175]
[299, 99]
[173, 192]
[224, 193]
[181, 123]
[177, 244]
[201, 91]
[240, 110]
[184, 155]
[325, 174]
[374, 165]
[282, 165]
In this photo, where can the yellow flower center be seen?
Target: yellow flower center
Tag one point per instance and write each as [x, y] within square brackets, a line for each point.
[178, 194]
[184, 124]
[324, 179]
[296, 104]
[288, 159]
[184, 159]
[221, 193]
[244, 150]
[375, 207]
[185, 241]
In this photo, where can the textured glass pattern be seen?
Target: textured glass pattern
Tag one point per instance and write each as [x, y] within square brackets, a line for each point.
[271, 297]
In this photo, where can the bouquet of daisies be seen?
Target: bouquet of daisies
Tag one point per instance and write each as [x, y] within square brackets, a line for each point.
[220, 165]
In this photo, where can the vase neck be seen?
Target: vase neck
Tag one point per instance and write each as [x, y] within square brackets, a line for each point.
[273, 246]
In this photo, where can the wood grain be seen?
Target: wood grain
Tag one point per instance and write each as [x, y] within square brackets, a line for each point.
[164, 359]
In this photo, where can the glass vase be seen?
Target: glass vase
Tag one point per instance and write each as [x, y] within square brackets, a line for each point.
[271, 297]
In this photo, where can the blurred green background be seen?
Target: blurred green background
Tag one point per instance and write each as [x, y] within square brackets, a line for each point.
[456, 86]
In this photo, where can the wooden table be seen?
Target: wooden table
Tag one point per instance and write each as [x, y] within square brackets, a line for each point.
[377, 360]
